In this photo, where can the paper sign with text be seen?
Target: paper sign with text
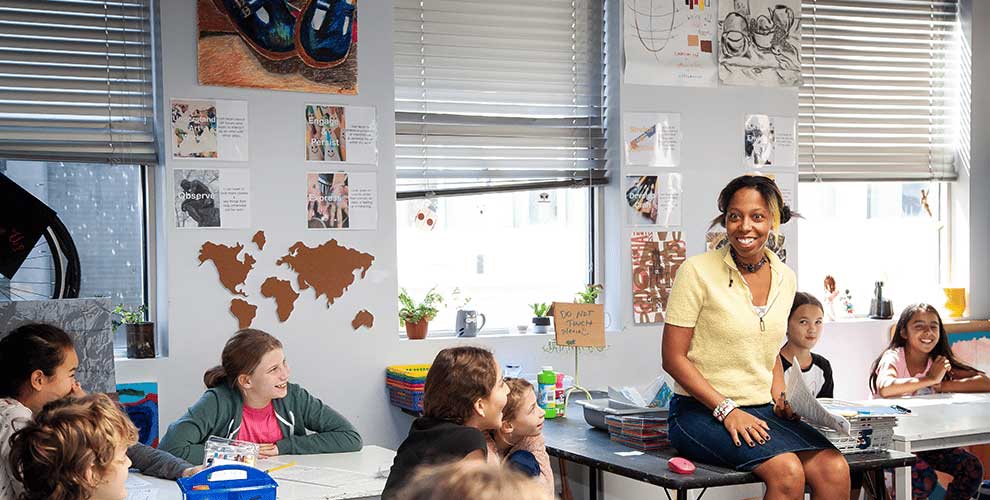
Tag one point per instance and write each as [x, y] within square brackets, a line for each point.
[579, 325]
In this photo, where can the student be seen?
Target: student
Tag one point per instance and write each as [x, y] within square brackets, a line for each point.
[74, 449]
[726, 320]
[38, 365]
[518, 441]
[804, 328]
[463, 396]
[471, 480]
[920, 361]
[249, 397]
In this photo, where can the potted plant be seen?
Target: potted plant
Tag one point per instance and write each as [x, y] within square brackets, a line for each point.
[540, 319]
[590, 294]
[417, 316]
[140, 333]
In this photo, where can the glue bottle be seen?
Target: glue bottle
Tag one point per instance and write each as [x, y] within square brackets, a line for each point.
[546, 394]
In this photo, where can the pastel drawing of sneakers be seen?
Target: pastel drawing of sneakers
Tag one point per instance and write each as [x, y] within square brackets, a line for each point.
[266, 25]
[324, 31]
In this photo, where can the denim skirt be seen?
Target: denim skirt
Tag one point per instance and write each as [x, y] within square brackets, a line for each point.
[699, 437]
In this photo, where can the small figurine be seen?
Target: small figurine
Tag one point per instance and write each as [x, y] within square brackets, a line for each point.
[847, 301]
[832, 293]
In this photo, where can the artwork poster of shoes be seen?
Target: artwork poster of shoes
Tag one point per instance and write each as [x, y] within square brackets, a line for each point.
[299, 45]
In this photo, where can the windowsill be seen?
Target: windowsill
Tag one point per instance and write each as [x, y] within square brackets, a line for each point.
[494, 334]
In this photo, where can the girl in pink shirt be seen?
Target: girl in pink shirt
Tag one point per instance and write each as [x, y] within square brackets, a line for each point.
[919, 361]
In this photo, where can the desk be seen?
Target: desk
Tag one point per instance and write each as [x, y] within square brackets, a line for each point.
[365, 463]
[938, 421]
[573, 439]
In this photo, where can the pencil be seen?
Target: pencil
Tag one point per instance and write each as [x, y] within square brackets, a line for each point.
[280, 467]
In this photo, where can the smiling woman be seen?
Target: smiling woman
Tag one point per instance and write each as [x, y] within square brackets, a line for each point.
[726, 319]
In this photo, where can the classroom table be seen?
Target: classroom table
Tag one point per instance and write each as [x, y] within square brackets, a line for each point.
[367, 469]
[937, 421]
[572, 439]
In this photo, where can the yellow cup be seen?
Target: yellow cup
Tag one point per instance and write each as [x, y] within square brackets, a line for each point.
[955, 301]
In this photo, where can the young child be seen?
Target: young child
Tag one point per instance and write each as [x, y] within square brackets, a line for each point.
[74, 449]
[920, 361]
[38, 365]
[463, 396]
[804, 328]
[471, 480]
[519, 440]
[249, 398]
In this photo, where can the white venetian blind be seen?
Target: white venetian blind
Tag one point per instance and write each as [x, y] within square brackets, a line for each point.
[500, 95]
[76, 81]
[880, 92]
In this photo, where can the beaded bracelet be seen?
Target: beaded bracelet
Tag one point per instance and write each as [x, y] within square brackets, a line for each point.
[723, 409]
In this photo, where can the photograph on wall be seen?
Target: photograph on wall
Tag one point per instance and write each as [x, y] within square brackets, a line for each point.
[140, 402]
[341, 134]
[759, 42]
[670, 43]
[768, 141]
[212, 198]
[297, 45]
[775, 242]
[209, 129]
[341, 200]
[656, 257]
[653, 200]
[652, 139]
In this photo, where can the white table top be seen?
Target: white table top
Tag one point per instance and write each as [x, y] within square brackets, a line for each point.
[941, 416]
[359, 474]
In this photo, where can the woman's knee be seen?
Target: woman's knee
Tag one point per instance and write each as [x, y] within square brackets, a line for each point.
[783, 472]
[830, 471]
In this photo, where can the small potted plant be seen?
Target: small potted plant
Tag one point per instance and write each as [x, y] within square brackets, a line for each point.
[140, 333]
[416, 317]
[540, 319]
[590, 294]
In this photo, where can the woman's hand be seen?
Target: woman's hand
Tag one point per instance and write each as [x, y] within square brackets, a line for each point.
[267, 450]
[782, 408]
[745, 427]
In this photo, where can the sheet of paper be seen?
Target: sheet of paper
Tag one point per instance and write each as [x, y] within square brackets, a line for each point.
[134, 482]
[142, 494]
[354, 484]
[804, 403]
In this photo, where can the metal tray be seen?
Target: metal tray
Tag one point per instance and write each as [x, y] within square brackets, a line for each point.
[595, 411]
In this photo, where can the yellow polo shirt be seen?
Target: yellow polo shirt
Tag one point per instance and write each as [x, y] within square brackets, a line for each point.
[728, 347]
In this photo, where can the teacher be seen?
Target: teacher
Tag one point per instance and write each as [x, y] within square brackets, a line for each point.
[726, 320]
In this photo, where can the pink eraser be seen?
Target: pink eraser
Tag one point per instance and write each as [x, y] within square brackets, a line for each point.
[680, 465]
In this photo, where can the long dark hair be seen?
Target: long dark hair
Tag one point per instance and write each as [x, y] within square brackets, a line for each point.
[241, 355]
[780, 213]
[899, 339]
[30, 347]
[458, 377]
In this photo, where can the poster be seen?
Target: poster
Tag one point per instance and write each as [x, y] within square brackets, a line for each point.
[216, 198]
[209, 129]
[768, 141]
[652, 139]
[670, 42]
[656, 257]
[341, 134]
[775, 242]
[140, 402]
[653, 200]
[759, 42]
[341, 200]
[297, 45]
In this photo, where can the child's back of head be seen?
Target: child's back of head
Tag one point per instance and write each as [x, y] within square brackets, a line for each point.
[471, 480]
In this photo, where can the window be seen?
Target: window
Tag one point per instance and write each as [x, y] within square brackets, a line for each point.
[499, 136]
[863, 232]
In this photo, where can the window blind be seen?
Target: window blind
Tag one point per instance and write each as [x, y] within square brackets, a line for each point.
[880, 93]
[496, 96]
[76, 81]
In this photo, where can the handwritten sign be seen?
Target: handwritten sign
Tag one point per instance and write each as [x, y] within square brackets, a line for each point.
[579, 325]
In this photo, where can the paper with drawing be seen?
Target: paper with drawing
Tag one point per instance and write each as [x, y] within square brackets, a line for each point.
[803, 402]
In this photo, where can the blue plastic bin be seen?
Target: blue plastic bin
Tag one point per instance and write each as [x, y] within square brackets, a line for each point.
[258, 485]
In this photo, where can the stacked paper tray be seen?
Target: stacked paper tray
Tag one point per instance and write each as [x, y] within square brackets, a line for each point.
[867, 433]
[639, 432]
[405, 385]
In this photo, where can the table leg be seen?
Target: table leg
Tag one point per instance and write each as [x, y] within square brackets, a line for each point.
[902, 475]
[682, 494]
[596, 481]
[877, 488]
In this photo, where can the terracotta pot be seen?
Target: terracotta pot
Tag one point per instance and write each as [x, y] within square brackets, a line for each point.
[417, 331]
[140, 340]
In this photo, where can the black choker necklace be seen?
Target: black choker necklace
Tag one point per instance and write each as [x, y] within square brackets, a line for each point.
[750, 268]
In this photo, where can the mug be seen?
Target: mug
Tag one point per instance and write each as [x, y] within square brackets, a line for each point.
[467, 323]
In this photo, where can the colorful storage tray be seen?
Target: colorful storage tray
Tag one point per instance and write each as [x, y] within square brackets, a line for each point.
[405, 384]
[257, 485]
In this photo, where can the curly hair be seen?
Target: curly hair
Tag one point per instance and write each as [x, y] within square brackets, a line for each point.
[458, 377]
[471, 480]
[53, 454]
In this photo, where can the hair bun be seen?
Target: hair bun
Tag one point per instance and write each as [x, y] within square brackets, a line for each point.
[785, 214]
